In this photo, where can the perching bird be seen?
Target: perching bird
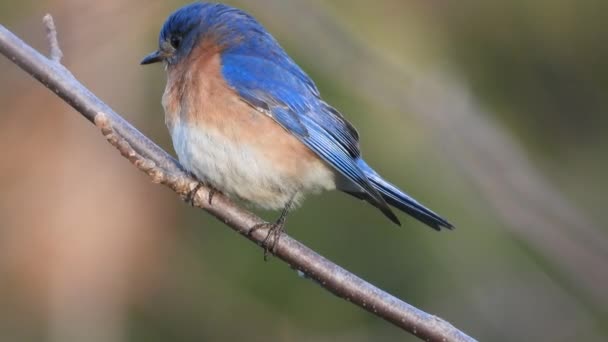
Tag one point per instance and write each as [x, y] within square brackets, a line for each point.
[247, 121]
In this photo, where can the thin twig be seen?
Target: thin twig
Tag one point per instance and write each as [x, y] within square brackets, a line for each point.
[51, 33]
[162, 168]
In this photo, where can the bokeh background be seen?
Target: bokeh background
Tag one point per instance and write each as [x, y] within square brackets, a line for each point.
[493, 113]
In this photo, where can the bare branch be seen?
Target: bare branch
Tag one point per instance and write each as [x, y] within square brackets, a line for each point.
[51, 33]
[164, 169]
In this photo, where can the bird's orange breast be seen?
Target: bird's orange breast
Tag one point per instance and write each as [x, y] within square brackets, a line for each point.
[198, 97]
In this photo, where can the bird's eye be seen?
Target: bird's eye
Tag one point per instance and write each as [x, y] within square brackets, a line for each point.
[175, 42]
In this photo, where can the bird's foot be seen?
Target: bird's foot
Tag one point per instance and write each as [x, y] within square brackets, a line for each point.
[275, 230]
[192, 194]
[271, 241]
[212, 192]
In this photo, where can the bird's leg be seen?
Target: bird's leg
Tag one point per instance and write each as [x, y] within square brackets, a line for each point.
[274, 229]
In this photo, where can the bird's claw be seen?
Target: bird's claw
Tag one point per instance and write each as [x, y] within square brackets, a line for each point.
[271, 241]
[212, 192]
[192, 193]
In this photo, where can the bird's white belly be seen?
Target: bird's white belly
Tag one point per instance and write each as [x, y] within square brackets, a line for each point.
[238, 169]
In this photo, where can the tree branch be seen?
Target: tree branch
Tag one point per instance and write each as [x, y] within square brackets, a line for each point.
[164, 169]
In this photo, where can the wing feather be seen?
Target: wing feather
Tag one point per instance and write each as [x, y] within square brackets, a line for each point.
[293, 101]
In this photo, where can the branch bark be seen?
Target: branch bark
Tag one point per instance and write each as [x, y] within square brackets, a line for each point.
[164, 169]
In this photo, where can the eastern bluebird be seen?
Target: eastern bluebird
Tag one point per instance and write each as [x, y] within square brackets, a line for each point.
[246, 120]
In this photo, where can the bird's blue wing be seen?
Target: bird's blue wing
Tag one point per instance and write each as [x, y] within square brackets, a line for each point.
[293, 101]
[287, 95]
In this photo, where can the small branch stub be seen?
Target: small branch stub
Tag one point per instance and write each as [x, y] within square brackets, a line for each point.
[51, 33]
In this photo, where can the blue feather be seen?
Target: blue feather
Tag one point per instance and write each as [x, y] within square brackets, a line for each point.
[399, 199]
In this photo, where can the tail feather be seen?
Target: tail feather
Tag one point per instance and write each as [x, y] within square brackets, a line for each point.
[400, 200]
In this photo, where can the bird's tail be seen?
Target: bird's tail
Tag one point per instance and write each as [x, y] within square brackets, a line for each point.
[400, 200]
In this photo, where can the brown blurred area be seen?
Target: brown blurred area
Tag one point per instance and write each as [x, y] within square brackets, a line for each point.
[83, 234]
[490, 113]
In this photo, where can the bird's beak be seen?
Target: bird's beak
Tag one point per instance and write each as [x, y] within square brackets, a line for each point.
[154, 57]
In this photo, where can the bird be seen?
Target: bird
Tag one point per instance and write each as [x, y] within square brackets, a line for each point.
[246, 120]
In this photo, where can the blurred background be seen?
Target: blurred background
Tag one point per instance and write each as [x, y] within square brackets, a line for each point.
[492, 113]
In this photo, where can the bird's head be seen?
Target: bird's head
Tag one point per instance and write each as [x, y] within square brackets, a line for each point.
[224, 26]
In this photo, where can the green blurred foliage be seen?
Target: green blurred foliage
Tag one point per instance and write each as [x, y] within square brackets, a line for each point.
[550, 58]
